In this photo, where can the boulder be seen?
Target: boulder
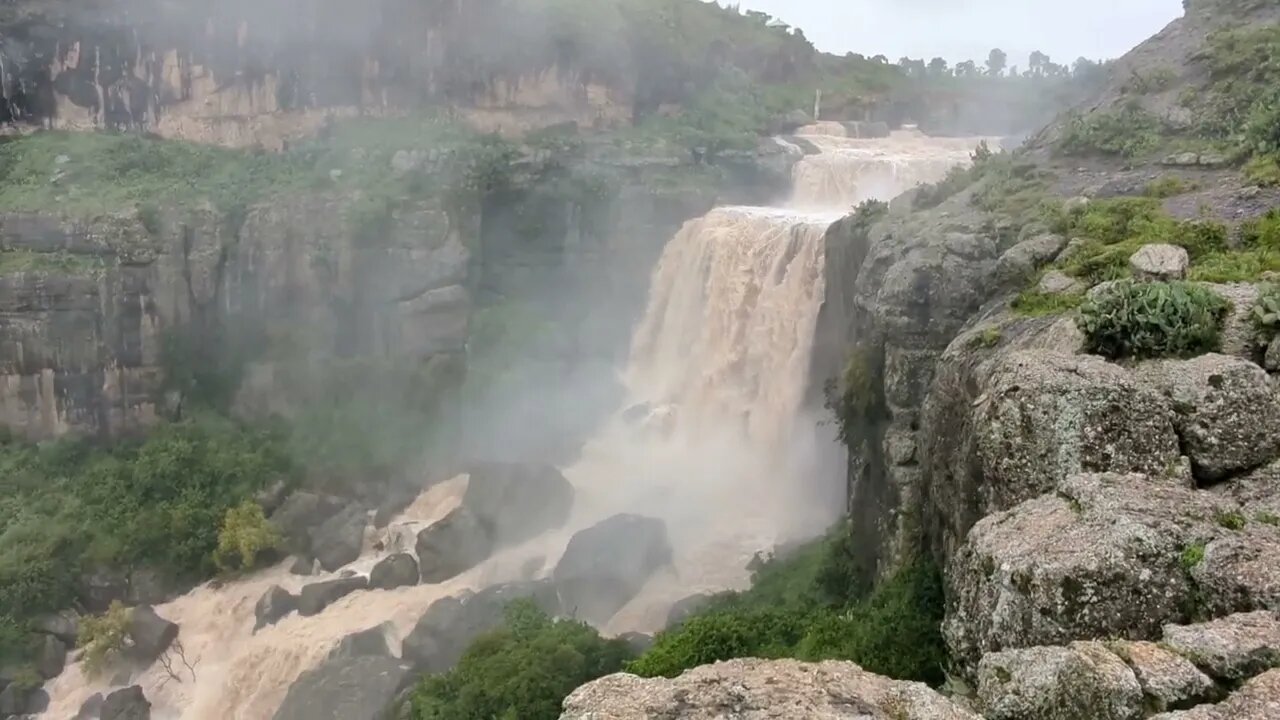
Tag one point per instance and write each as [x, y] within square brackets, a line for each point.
[90, 709]
[1225, 412]
[761, 690]
[1160, 262]
[126, 704]
[1056, 282]
[1168, 680]
[16, 699]
[51, 657]
[1240, 570]
[605, 565]
[366, 643]
[345, 688]
[1017, 264]
[315, 597]
[1271, 360]
[299, 513]
[337, 541]
[1083, 681]
[274, 605]
[394, 571]
[1104, 556]
[303, 565]
[517, 501]
[63, 625]
[452, 546]
[445, 630]
[1257, 699]
[1231, 648]
[150, 635]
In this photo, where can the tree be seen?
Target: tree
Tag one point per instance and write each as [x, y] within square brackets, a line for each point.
[997, 61]
[1039, 63]
[105, 637]
[968, 68]
[938, 67]
[245, 535]
[881, 59]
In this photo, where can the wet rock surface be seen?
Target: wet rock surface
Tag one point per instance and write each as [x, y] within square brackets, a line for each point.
[126, 704]
[761, 690]
[337, 541]
[274, 605]
[346, 688]
[314, 598]
[604, 566]
[394, 571]
[150, 635]
[444, 631]
[517, 501]
[452, 546]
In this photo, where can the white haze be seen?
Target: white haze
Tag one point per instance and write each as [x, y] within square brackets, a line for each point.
[968, 29]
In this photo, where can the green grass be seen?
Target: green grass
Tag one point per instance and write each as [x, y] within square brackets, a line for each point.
[24, 261]
[1033, 303]
[1128, 132]
[1192, 556]
[1167, 187]
[1231, 520]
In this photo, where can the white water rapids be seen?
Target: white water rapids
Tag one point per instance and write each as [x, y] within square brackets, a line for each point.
[725, 456]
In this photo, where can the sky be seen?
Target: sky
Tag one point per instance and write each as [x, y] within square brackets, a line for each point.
[969, 29]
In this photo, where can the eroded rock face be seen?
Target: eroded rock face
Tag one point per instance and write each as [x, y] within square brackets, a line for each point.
[362, 687]
[1224, 409]
[1257, 699]
[761, 690]
[605, 565]
[1231, 648]
[1082, 681]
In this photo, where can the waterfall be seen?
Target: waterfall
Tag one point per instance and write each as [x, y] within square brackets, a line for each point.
[714, 439]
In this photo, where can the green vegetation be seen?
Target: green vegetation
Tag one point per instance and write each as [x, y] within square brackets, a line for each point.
[1232, 520]
[1268, 518]
[855, 398]
[1152, 320]
[1033, 303]
[68, 507]
[1238, 107]
[1128, 132]
[1192, 555]
[244, 538]
[1167, 187]
[811, 606]
[522, 671]
[20, 261]
[988, 337]
[103, 637]
[1266, 313]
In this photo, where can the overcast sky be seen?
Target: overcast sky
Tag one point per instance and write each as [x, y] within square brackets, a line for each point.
[964, 29]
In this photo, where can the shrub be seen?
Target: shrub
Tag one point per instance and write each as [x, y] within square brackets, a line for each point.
[855, 399]
[522, 671]
[1128, 132]
[244, 537]
[1167, 187]
[104, 637]
[1266, 313]
[1152, 320]
[724, 635]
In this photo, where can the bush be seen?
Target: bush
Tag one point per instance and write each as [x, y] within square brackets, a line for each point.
[104, 637]
[1266, 312]
[855, 399]
[1152, 320]
[245, 536]
[522, 671]
[1128, 132]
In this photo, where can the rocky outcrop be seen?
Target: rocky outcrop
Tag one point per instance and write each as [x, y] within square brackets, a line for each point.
[366, 643]
[1019, 263]
[444, 631]
[452, 546]
[1106, 556]
[126, 704]
[337, 541]
[1083, 681]
[517, 501]
[149, 635]
[1257, 699]
[296, 517]
[1168, 679]
[761, 690]
[605, 566]
[361, 687]
[274, 605]
[1231, 648]
[51, 657]
[316, 597]
[394, 571]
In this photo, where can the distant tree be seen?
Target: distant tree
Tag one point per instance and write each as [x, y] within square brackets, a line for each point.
[997, 61]
[968, 68]
[938, 67]
[883, 60]
[1037, 64]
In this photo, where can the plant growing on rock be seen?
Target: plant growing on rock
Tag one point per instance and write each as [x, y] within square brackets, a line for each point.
[244, 538]
[1152, 320]
[855, 398]
[104, 637]
[1266, 312]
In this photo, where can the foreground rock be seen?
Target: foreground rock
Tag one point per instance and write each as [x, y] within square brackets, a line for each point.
[452, 546]
[316, 597]
[1230, 648]
[1083, 681]
[336, 542]
[517, 501]
[761, 690]
[126, 704]
[394, 571]
[1168, 679]
[605, 565]
[362, 687]
[274, 605]
[1257, 699]
[445, 630]
[1160, 262]
[150, 634]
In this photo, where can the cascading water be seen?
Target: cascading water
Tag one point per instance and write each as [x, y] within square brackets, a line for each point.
[714, 440]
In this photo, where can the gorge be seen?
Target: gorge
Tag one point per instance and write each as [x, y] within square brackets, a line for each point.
[360, 371]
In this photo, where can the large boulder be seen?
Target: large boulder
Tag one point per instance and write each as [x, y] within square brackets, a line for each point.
[274, 605]
[761, 690]
[362, 687]
[394, 571]
[1105, 556]
[452, 546]
[90, 709]
[1231, 648]
[444, 631]
[517, 501]
[337, 541]
[63, 625]
[1083, 681]
[1017, 264]
[1168, 679]
[301, 512]
[126, 704]
[150, 635]
[1257, 699]
[371, 642]
[17, 699]
[1225, 412]
[605, 565]
[315, 597]
[51, 657]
